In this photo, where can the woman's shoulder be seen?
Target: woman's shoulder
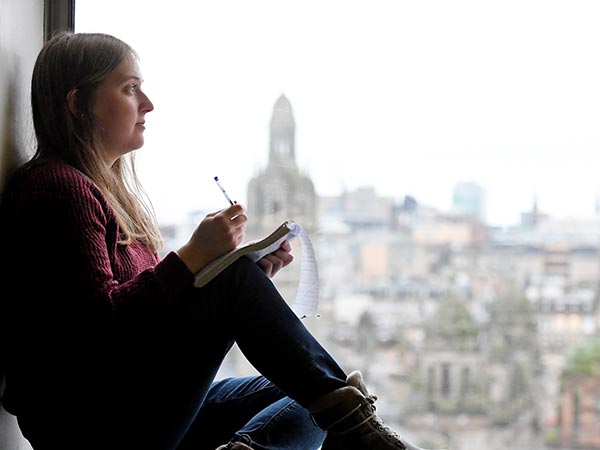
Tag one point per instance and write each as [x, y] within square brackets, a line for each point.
[52, 171]
[50, 176]
[50, 182]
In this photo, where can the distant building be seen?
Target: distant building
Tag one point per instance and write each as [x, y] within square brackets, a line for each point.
[477, 384]
[580, 412]
[579, 407]
[451, 362]
[359, 209]
[280, 192]
[468, 199]
[531, 218]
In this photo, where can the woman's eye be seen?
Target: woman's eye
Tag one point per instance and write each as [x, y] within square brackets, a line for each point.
[133, 88]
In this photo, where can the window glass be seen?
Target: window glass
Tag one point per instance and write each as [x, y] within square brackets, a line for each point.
[443, 156]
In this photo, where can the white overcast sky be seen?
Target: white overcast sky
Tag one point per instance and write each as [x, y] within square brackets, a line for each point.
[408, 96]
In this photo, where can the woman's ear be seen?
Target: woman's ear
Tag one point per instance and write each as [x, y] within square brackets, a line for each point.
[72, 102]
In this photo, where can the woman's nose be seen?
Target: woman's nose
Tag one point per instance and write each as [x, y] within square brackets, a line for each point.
[146, 104]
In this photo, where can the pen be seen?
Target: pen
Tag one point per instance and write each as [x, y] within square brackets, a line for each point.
[223, 191]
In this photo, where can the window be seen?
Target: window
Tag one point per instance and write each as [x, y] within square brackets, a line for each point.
[458, 139]
[446, 386]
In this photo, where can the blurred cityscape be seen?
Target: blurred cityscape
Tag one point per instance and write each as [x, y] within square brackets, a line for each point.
[473, 337]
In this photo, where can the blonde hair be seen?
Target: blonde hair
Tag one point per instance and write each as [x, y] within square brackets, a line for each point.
[81, 61]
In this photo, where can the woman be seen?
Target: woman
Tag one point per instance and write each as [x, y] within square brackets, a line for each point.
[110, 347]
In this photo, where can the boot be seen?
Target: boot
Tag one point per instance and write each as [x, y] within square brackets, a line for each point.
[234, 446]
[348, 415]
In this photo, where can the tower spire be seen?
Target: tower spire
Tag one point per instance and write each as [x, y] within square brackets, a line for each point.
[283, 130]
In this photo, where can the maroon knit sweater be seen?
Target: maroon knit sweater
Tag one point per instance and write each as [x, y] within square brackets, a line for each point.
[69, 278]
[63, 225]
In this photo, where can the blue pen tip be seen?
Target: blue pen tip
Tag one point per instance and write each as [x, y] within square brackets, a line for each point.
[216, 178]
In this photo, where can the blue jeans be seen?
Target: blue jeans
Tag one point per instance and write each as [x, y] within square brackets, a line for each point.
[149, 384]
[257, 413]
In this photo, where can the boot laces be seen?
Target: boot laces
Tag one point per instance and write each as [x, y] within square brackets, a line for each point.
[378, 423]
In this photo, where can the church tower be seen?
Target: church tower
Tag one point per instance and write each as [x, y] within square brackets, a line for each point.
[280, 191]
[277, 193]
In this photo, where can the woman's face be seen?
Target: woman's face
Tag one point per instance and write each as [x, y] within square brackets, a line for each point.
[119, 110]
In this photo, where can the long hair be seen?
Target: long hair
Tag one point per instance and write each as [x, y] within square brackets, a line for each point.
[81, 61]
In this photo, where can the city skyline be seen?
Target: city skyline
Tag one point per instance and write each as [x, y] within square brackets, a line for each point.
[408, 98]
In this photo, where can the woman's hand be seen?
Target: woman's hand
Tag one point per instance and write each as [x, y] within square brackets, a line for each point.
[273, 262]
[217, 234]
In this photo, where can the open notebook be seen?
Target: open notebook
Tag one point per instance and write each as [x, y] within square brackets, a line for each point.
[307, 295]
